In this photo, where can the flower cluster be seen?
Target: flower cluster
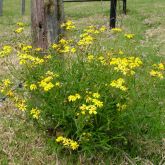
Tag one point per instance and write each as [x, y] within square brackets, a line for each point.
[25, 58]
[5, 87]
[20, 28]
[6, 50]
[20, 104]
[33, 87]
[73, 98]
[158, 70]
[117, 30]
[26, 48]
[126, 65]
[68, 25]
[92, 104]
[35, 113]
[46, 83]
[86, 38]
[129, 36]
[64, 46]
[69, 143]
[119, 83]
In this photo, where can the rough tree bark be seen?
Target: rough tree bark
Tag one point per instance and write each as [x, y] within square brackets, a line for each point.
[46, 18]
[1, 7]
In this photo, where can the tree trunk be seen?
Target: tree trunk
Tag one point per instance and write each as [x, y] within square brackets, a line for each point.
[23, 7]
[1, 7]
[46, 17]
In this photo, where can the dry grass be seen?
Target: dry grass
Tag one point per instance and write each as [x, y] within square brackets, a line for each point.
[21, 143]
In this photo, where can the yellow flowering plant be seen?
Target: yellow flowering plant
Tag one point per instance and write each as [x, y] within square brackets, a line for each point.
[89, 98]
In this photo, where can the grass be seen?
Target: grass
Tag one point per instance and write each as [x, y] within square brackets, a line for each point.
[22, 143]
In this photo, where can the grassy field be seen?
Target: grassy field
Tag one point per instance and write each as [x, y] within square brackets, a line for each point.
[22, 143]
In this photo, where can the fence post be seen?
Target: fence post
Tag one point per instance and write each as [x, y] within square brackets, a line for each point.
[46, 19]
[1, 7]
[113, 13]
[125, 6]
[23, 7]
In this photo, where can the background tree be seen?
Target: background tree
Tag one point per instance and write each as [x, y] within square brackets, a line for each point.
[1, 7]
[46, 18]
[23, 7]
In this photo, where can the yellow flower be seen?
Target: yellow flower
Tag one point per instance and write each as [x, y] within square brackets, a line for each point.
[96, 95]
[19, 30]
[156, 74]
[38, 49]
[68, 25]
[46, 83]
[90, 58]
[57, 84]
[26, 58]
[73, 98]
[74, 145]
[102, 29]
[83, 109]
[78, 96]
[6, 50]
[21, 24]
[6, 82]
[161, 66]
[117, 30]
[121, 52]
[48, 57]
[126, 64]
[67, 142]
[59, 139]
[48, 86]
[73, 50]
[129, 36]
[10, 93]
[86, 40]
[33, 87]
[92, 109]
[50, 73]
[119, 84]
[63, 41]
[26, 48]
[88, 99]
[35, 113]
[97, 103]
[54, 46]
[21, 105]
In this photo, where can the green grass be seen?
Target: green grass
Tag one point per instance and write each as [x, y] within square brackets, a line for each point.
[22, 143]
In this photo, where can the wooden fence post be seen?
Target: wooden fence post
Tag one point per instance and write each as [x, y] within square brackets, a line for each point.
[113, 13]
[125, 6]
[1, 7]
[46, 18]
[23, 7]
